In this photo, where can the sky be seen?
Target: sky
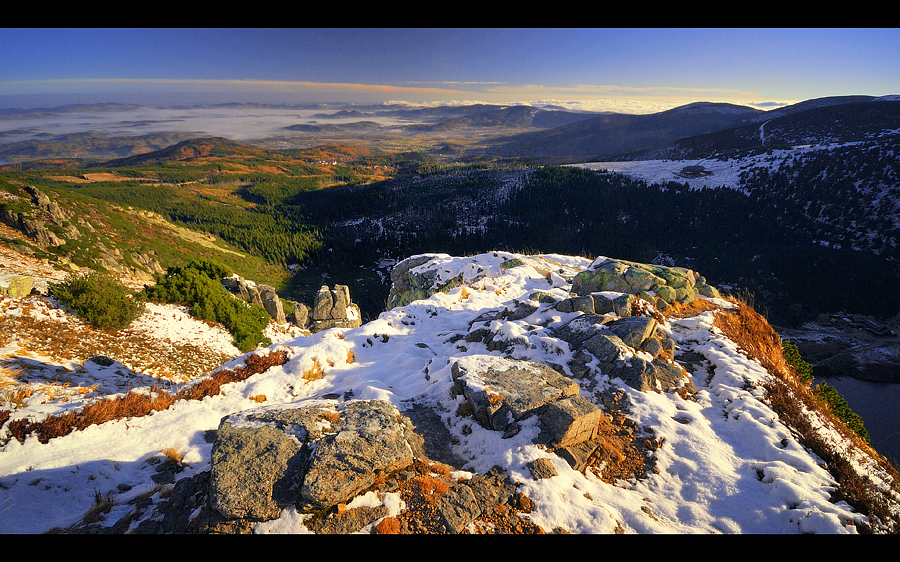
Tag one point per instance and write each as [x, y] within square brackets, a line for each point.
[627, 70]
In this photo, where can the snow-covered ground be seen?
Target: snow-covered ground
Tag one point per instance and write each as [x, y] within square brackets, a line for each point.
[727, 465]
[723, 173]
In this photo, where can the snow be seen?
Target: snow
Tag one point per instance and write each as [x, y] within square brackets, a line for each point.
[727, 465]
[725, 173]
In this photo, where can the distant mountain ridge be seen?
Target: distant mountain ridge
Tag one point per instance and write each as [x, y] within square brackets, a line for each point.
[622, 136]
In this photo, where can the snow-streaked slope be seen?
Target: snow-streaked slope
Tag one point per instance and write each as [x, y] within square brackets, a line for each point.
[727, 465]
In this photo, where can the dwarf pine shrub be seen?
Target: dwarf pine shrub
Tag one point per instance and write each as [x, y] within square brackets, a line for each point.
[839, 407]
[101, 299]
[792, 356]
[199, 286]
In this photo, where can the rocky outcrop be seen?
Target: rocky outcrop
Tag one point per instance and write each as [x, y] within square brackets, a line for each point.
[419, 277]
[658, 284]
[35, 223]
[262, 295]
[631, 348]
[334, 309]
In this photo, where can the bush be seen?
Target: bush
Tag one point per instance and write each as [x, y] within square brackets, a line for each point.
[792, 356]
[840, 408]
[101, 299]
[199, 286]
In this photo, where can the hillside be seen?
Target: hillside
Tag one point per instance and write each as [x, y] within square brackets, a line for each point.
[714, 448]
[609, 135]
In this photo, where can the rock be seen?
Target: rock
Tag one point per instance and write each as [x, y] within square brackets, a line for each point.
[323, 304]
[406, 286]
[272, 303]
[607, 345]
[633, 331]
[263, 295]
[503, 391]
[371, 438]
[16, 286]
[259, 458]
[252, 472]
[541, 468]
[671, 284]
[301, 314]
[411, 281]
[571, 420]
[467, 500]
[603, 302]
[334, 309]
[315, 456]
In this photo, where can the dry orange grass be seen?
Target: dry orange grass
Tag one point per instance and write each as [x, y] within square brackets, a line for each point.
[135, 404]
[792, 400]
[698, 306]
[755, 337]
[314, 372]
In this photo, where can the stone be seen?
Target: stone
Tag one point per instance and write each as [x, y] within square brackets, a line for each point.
[578, 455]
[541, 468]
[272, 303]
[16, 286]
[251, 476]
[609, 301]
[371, 439]
[504, 391]
[301, 314]
[571, 420]
[634, 330]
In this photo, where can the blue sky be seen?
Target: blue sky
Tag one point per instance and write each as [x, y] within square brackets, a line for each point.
[634, 70]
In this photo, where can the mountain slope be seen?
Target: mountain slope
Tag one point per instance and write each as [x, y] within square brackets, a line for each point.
[716, 456]
[608, 135]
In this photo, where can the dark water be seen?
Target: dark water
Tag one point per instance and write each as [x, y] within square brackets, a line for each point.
[878, 404]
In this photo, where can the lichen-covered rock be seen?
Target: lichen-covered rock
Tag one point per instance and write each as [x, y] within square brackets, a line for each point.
[16, 286]
[371, 438]
[670, 284]
[313, 456]
[251, 476]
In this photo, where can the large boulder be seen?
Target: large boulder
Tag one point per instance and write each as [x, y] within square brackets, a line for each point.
[314, 456]
[501, 392]
[652, 282]
[371, 438]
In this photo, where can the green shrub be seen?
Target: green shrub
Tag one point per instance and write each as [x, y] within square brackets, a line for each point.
[199, 286]
[792, 356]
[101, 299]
[841, 409]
